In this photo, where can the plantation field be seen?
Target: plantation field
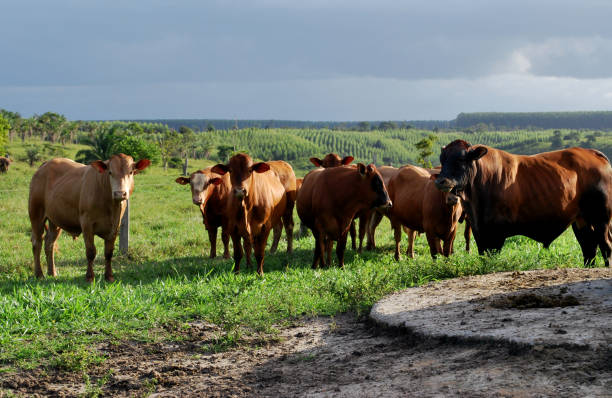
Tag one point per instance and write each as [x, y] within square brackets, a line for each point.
[166, 282]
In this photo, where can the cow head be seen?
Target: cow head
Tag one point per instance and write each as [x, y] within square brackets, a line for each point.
[120, 170]
[199, 183]
[241, 168]
[458, 165]
[450, 197]
[332, 160]
[377, 193]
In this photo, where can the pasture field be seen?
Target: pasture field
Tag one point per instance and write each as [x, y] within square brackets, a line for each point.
[166, 281]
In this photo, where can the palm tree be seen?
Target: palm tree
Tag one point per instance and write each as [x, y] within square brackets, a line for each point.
[102, 145]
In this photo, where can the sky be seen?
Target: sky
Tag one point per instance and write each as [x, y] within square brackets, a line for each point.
[303, 59]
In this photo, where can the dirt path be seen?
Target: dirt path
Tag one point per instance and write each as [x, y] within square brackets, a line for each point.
[324, 357]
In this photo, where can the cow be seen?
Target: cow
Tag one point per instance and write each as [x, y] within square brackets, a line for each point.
[334, 160]
[421, 207]
[330, 198]
[257, 203]
[373, 218]
[538, 196]
[5, 162]
[303, 228]
[77, 198]
[210, 192]
[285, 173]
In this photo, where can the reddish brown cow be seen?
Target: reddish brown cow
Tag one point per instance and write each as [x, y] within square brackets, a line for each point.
[80, 199]
[420, 206]
[285, 173]
[303, 228]
[538, 196]
[5, 162]
[374, 217]
[211, 193]
[330, 198]
[257, 203]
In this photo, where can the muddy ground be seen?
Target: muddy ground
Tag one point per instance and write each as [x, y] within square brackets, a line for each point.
[345, 356]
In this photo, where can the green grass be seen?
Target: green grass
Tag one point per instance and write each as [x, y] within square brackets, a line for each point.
[166, 279]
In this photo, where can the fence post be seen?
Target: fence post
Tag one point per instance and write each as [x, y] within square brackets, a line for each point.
[124, 230]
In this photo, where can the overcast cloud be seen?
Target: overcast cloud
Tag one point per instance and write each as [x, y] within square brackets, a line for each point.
[309, 60]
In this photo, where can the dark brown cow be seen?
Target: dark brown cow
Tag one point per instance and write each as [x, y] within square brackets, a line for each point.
[334, 160]
[285, 173]
[420, 206]
[330, 198]
[210, 192]
[374, 217]
[303, 228]
[80, 199]
[5, 162]
[257, 203]
[538, 196]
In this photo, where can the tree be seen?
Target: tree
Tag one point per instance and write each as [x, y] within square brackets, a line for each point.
[4, 132]
[425, 148]
[137, 148]
[168, 141]
[363, 126]
[210, 127]
[32, 154]
[50, 125]
[224, 152]
[387, 126]
[14, 121]
[556, 141]
[102, 146]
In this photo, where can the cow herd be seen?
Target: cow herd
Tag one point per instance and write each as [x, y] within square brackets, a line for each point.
[497, 193]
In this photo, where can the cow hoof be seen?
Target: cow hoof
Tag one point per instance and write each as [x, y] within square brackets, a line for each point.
[39, 275]
[89, 278]
[109, 278]
[226, 255]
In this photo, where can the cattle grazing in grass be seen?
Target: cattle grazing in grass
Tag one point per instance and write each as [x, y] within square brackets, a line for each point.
[210, 192]
[5, 162]
[257, 203]
[421, 207]
[330, 198]
[285, 173]
[537, 196]
[78, 198]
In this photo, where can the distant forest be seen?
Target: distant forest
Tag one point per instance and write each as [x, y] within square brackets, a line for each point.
[596, 120]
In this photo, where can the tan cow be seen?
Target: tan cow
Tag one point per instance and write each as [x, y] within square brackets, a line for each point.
[285, 173]
[420, 206]
[257, 203]
[79, 199]
[211, 194]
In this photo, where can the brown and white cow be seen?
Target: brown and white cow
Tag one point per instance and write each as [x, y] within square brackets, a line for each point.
[5, 162]
[285, 173]
[537, 196]
[257, 203]
[421, 207]
[79, 199]
[330, 198]
[211, 192]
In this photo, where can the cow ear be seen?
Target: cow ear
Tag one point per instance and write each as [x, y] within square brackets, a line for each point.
[220, 169]
[182, 180]
[316, 161]
[476, 153]
[215, 181]
[434, 177]
[260, 167]
[141, 165]
[347, 160]
[362, 169]
[371, 168]
[99, 165]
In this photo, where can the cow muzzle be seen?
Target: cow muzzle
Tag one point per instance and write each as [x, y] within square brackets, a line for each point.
[120, 195]
[452, 199]
[385, 207]
[197, 201]
[240, 193]
[444, 184]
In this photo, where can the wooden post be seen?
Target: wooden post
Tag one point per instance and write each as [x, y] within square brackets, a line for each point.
[124, 230]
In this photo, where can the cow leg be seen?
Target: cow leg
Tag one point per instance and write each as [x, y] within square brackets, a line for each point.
[212, 238]
[38, 228]
[447, 250]
[411, 237]
[247, 251]
[363, 226]
[340, 248]
[90, 253]
[109, 247]
[276, 235]
[435, 247]
[318, 249]
[466, 234]
[605, 242]
[288, 223]
[225, 238]
[260, 248]
[373, 224]
[353, 234]
[53, 232]
[397, 234]
[329, 245]
[588, 243]
[237, 251]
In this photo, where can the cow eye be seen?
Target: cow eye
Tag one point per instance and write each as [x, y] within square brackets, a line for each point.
[109, 173]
